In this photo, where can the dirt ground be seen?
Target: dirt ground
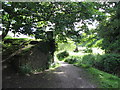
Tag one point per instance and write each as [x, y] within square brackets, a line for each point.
[65, 76]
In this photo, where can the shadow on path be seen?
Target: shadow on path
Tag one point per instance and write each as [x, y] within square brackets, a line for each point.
[65, 76]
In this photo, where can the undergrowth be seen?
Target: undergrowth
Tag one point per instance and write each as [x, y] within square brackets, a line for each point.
[104, 80]
[104, 69]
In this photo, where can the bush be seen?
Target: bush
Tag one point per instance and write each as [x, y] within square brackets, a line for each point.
[25, 69]
[62, 55]
[109, 63]
[9, 46]
[72, 59]
[88, 59]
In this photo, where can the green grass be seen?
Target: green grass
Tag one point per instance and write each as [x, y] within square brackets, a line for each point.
[105, 80]
[16, 38]
[101, 78]
[69, 46]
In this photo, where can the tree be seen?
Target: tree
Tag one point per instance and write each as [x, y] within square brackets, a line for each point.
[22, 17]
[111, 29]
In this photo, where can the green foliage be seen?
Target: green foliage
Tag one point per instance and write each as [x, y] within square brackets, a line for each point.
[8, 49]
[111, 35]
[90, 39]
[88, 50]
[25, 69]
[6, 46]
[14, 44]
[62, 55]
[72, 59]
[11, 47]
[98, 43]
[83, 61]
[109, 63]
[88, 60]
[22, 17]
[103, 79]
[68, 46]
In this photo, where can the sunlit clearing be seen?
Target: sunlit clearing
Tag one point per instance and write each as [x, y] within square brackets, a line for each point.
[98, 51]
[76, 54]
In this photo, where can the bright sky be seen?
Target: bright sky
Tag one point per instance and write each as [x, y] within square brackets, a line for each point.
[20, 36]
[92, 26]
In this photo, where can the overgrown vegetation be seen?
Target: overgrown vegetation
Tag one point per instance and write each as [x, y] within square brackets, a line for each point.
[67, 46]
[25, 69]
[106, 37]
[107, 62]
[103, 79]
[64, 17]
[98, 65]
[111, 29]
[103, 66]
[10, 45]
[62, 55]
[16, 48]
[72, 59]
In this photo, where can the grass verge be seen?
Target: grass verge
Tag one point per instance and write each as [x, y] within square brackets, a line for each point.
[102, 79]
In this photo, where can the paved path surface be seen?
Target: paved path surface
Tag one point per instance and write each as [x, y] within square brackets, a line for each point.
[65, 76]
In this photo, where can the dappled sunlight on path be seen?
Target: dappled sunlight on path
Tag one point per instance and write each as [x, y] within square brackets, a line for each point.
[65, 76]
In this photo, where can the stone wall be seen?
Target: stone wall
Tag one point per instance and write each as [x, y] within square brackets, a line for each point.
[34, 57]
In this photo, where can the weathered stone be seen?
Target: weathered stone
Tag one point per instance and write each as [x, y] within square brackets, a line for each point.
[35, 58]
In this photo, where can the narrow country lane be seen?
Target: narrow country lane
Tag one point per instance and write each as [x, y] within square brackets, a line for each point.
[65, 76]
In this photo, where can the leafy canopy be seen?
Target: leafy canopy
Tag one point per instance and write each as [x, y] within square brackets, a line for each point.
[111, 29]
[32, 18]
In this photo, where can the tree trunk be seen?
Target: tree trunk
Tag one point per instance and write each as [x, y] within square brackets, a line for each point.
[5, 32]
